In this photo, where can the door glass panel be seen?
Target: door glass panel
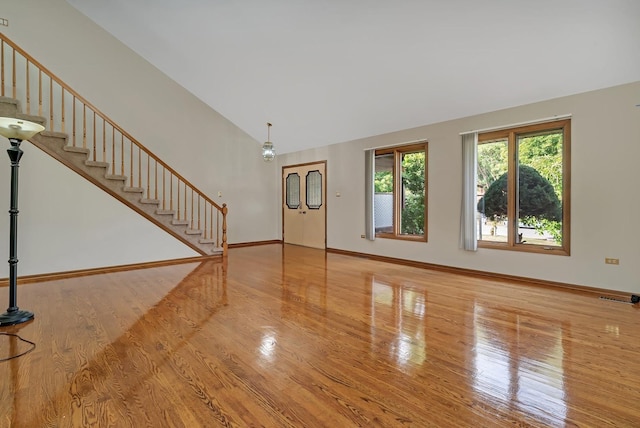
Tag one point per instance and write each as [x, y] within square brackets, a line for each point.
[314, 190]
[293, 191]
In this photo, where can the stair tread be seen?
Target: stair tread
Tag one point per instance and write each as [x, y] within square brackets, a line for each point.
[206, 241]
[74, 149]
[55, 134]
[193, 232]
[165, 212]
[133, 189]
[8, 100]
[149, 201]
[96, 163]
[180, 222]
[32, 118]
[115, 177]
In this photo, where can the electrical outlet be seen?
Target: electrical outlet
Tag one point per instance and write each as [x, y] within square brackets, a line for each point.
[611, 261]
[4, 22]
[362, 236]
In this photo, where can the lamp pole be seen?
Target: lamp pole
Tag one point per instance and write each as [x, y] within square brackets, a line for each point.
[15, 130]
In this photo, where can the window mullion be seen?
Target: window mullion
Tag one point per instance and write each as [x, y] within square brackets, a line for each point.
[397, 183]
[512, 189]
[426, 192]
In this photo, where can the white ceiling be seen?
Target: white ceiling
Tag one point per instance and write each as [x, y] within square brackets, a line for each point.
[328, 71]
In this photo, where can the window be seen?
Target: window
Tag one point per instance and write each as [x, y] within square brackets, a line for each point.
[400, 192]
[523, 188]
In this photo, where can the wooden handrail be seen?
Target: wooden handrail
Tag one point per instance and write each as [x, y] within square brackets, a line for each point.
[96, 129]
[80, 98]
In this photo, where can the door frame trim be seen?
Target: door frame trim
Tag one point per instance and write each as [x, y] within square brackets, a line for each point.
[324, 184]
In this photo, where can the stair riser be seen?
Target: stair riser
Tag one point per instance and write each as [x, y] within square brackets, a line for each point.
[8, 109]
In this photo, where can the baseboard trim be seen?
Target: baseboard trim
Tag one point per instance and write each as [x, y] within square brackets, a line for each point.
[28, 279]
[583, 289]
[254, 243]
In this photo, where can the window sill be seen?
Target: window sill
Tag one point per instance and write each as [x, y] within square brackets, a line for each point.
[538, 249]
[402, 237]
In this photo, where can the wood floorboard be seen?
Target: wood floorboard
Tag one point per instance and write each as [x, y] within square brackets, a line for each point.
[286, 336]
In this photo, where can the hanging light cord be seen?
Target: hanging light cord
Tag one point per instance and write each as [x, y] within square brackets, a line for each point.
[268, 132]
[33, 346]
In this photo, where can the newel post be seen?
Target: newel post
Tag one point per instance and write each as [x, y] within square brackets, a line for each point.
[225, 247]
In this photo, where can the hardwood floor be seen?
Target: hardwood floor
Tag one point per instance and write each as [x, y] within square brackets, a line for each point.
[292, 337]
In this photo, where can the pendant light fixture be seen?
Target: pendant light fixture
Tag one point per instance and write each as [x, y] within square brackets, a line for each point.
[268, 152]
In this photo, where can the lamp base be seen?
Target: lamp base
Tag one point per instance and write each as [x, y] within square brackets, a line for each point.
[15, 317]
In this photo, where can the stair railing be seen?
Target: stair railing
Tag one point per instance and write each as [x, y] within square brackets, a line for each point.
[43, 94]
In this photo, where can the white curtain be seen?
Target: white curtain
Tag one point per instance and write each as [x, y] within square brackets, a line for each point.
[468, 225]
[369, 171]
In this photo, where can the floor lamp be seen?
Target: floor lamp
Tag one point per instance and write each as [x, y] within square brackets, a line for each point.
[15, 130]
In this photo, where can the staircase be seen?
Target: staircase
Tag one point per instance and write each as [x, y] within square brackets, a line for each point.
[87, 141]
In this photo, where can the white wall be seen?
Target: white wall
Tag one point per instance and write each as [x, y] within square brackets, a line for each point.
[57, 233]
[605, 195]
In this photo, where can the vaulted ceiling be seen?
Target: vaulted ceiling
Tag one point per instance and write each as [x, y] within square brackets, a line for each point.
[329, 71]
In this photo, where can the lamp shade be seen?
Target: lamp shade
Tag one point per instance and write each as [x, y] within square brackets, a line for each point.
[19, 129]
